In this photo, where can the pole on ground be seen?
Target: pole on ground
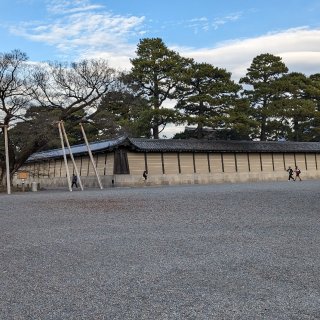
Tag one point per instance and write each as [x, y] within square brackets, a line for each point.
[71, 155]
[91, 157]
[64, 156]
[6, 146]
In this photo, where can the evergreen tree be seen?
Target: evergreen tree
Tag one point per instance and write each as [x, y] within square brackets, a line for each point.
[239, 122]
[155, 72]
[262, 78]
[206, 95]
[121, 112]
[295, 107]
[314, 94]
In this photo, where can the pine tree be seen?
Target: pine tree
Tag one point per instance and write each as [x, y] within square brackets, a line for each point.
[206, 97]
[261, 79]
[155, 72]
[295, 106]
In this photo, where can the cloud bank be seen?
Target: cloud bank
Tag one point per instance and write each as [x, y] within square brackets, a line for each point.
[299, 49]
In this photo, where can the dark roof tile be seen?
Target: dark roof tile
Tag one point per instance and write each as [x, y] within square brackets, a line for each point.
[191, 145]
[174, 145]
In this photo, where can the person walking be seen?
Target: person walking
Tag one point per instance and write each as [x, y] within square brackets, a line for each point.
[297, 172]
[290, 172]
[74, 181]
[145, 175]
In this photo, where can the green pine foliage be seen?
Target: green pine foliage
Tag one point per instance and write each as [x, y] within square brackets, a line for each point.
[154, 75]
[261, 89]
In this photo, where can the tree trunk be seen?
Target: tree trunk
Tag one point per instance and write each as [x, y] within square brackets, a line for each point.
[200, 131]
[155, 132]
[263, 135]
[155, 127]
[296, 130]
[2, 176]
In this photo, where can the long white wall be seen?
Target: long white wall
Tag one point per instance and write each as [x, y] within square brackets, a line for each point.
[176, 168]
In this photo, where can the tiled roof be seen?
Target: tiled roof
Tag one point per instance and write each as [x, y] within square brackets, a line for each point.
[177, 145]
[77, 149]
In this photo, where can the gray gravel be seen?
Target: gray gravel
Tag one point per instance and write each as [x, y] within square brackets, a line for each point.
[229, 251]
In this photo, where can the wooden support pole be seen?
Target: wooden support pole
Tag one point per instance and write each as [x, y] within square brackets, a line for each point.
[6, 146]
[91, 157]
[64, 156]
[71, 155]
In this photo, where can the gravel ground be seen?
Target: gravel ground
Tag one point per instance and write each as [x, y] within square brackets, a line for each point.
[229, 251]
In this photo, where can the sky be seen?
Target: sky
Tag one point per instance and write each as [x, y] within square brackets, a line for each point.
[227, 34]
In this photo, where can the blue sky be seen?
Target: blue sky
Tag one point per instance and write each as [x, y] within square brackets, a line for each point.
[227, 34]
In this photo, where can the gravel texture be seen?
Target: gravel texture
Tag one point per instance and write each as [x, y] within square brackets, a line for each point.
[228, 251]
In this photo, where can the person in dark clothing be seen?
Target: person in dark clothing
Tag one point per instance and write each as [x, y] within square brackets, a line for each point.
[297, 172]
[145, 175]
[74, 181]
[290, 172]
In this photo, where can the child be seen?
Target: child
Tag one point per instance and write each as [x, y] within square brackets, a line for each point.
[297, 172]
[290, 171]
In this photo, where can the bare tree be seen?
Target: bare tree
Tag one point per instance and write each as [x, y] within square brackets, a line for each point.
[14, 86]
[71, 88]
[14, 95]
[43, 94]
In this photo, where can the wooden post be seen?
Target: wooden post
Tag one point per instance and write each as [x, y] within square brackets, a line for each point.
[6, 146]
[64, 156]
[71, 155]
[91, 157]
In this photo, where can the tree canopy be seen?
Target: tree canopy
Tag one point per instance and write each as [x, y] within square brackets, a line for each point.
[262, 80]
[154, 74]
[205, 95]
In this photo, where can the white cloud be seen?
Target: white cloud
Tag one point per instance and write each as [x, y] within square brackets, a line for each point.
[205, 24]
[82, 28]
[299, 49]
[119, 60]
[221, 21]
[70, 6]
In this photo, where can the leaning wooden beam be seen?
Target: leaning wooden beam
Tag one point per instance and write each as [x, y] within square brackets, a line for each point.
[91, 157]
[71, 155]
[64, 156]
[6, 146]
